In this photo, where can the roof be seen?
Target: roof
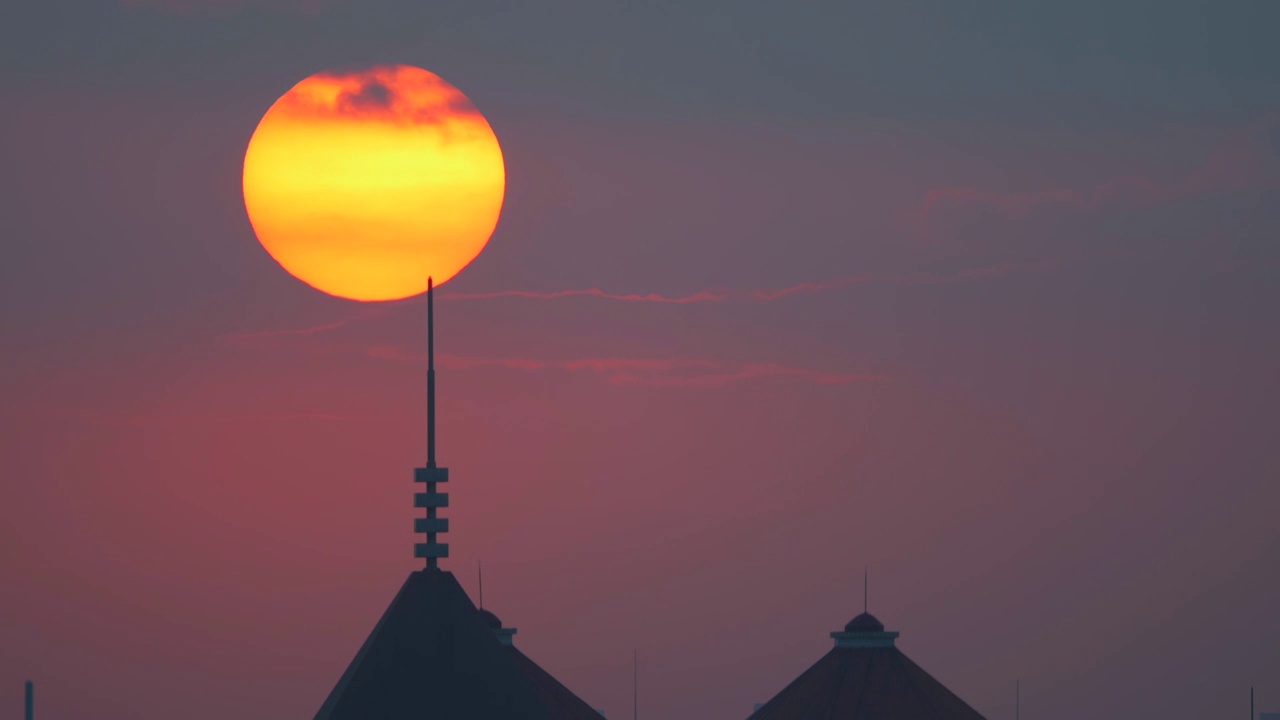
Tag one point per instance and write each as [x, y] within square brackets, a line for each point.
[431, 657]
[559, 700]
[866, 622]
[865, 677]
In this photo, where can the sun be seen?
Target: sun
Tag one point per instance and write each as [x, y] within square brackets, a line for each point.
[364, 184]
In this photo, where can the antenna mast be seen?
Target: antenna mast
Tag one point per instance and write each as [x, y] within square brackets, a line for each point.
[431, 374]
[432, 525]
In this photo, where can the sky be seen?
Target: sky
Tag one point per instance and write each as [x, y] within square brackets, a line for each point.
[980, 299]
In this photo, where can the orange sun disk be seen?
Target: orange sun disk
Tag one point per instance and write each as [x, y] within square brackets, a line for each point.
[363, 184]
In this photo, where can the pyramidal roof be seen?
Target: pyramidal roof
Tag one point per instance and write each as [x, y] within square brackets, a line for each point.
[865, 677]
[559, 700]
[432, 657]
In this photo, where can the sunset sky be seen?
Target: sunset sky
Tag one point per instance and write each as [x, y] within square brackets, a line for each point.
[983, 300]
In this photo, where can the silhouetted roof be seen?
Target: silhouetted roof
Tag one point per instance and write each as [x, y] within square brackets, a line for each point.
[431, 657]
[559, 700]
[866, 622]
[561, 703]
[865, 677]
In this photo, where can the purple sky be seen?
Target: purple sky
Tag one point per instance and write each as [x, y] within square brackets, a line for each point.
[983, 300]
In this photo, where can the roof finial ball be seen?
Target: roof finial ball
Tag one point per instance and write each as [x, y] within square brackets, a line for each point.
[864, 630]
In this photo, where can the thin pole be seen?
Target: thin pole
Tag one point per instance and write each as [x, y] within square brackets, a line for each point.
[431, 374]
[432, 562]
[31, 700]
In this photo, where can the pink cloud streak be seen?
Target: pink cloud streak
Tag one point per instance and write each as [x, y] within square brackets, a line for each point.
[214, 7]
[703, 296]
[766, 295]
[1236, 164]
[233, 337]
[146, 419]
[655, 372]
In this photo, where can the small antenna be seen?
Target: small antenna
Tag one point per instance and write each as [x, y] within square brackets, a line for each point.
[480, 577]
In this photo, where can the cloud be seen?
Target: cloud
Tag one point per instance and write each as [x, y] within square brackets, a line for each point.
[168, 418]
[1014, 206]
[812, 287]
[975, 273]
[400, 94]
[222, 7]
[1245, 159]
[235, 337]
[721, 295]
[750, 371]
[372, 93]
[702, 296]
[655, 372]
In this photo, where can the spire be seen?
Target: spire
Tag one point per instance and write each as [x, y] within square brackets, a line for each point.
[431, 525]
[431, 374]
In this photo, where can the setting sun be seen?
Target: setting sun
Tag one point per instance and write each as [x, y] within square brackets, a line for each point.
[363, 184]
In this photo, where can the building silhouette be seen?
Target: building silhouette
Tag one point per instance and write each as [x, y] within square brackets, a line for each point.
[865, 677]
[558, 699]
[432, 654]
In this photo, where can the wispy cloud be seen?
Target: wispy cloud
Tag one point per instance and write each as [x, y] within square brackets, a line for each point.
[1241, 161]
[656, 372]
[975, 273]
[702, 296]
[812, 287]
[167, 418]
[749, 371]
[234, 337]
[722, 295]
[222, 7]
